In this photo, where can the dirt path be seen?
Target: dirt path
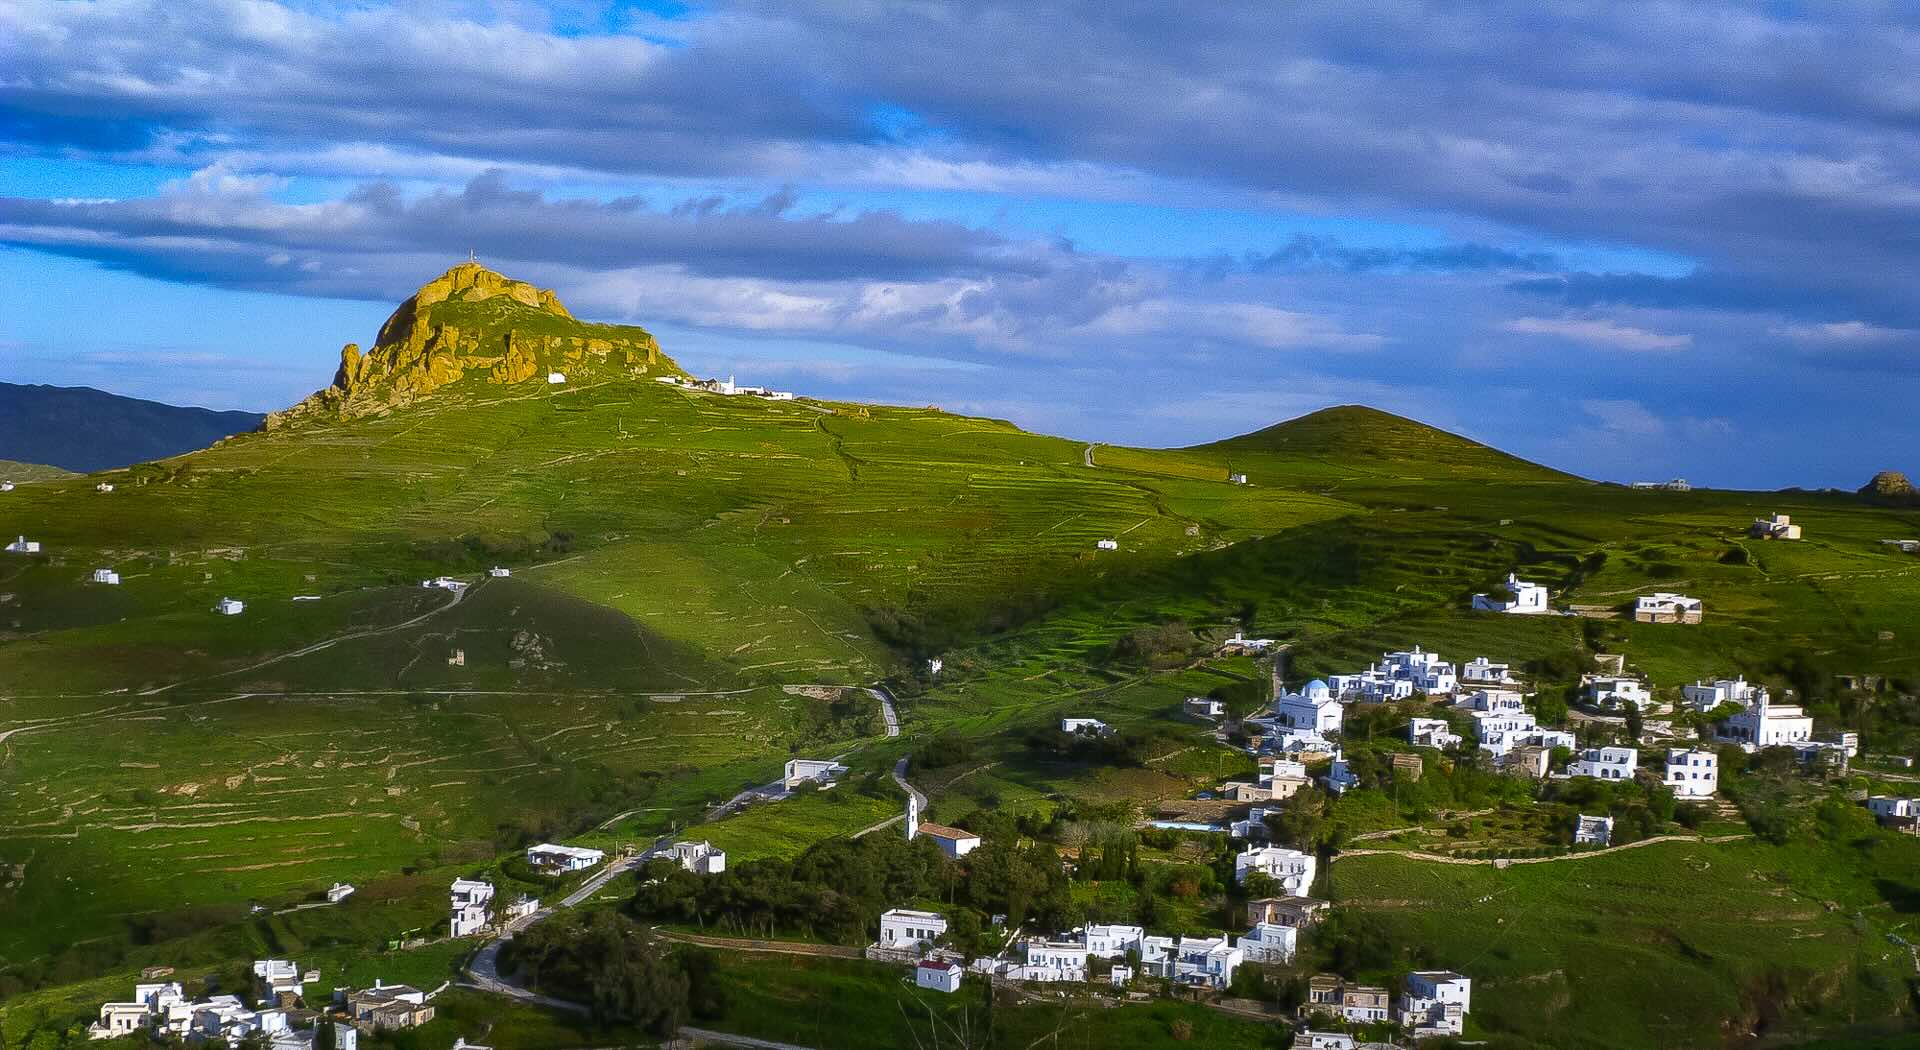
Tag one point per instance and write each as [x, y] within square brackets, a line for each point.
[747, 944]
[1087, 455]
[1436, 858]
[458, 597]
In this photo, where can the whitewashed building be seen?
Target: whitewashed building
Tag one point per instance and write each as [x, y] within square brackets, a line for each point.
[1110, 941]
[1309, 1039]
[1340, 777]
[1108, 545]
[810, 770]
[1207, 962]
[499, 572]
[1204, 707]
[551, 857]
[1481, 669]
[701, 858]
[273, 978]
[1432, 732]
[1895, 812]
[1616, 691]
[1270, 942]
[469, 903]
[1777, 527]
[23, 545]
[230, 607]
[1593, 831]
[1312, 710]
[1691, 773]
[1605, 763]
[338, 892]
[1292, 869]
[1435, 1002]
[1766, 724]
[938, 976]
[1499, 700]
[1529, 599]
[106, 576]
[445, 583]
[954, 842]
[1088, 726]
[1050, 961]
[906, 929]
[556, 378]
[1663, 607]
[1705, 696]
[1500, 732]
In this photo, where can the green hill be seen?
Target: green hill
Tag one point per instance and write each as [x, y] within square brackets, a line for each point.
[22, 473]
[698, 585]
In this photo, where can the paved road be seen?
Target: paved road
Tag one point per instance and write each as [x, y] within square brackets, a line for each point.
[887, 712]
[729, 1039]
[900, 778]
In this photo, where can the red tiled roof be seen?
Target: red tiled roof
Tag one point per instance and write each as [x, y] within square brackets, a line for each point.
[941, 831]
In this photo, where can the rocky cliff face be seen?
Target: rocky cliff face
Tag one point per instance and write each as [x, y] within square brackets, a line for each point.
[1890, 486]
[471, 322]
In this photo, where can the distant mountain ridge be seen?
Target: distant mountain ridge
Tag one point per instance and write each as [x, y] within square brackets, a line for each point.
[81, 429]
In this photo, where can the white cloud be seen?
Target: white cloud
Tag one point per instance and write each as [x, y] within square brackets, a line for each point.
[1599, 332]
[1843, 333]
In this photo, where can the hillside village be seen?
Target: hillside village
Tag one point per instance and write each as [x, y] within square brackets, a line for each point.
[1127, 739]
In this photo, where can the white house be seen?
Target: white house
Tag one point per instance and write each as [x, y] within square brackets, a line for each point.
[550, 857]
[1481, 669]
[1236, 479]
[1340, 777]
[1240, 643]
[1766, 724]
[105, 486]
[909, 930]
[273, 978]
[1901, 813]
[1432, 732]
[1705, 696]
[1691, 773]
[1292, 869]
[1605, 763]
[338, 892]
[1089, 726]
[1374, 685]
[1204, 707]
[1308, 1039]
[953, 842]
[106, 576]
[1111, 942]
[1529, 599]
[1121, 976]
[118, 1019]
[556, 378]
[499, 572]
[1662, 607]
[469, 903]
[24, 545]
[1201, 961]
[1614, 691]
[1255, 824]
[1269, 942]
[230, 607]
[6, 486]
[1777, 527]
[521, 907]
[1055, 961]
[811, 770]
[939, 976]
[1435, 1002]
[1313, 710]
[1593, 831]
[1428, 673]
[1108, 545]
[701, 858]
[1501, 731]
[1499, 700]
[445, 583]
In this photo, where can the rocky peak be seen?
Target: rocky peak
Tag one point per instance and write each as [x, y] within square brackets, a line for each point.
[1890, 485]
[471, 322]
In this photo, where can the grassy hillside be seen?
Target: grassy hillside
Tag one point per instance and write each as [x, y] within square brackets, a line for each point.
[24, 473]
[696, 580]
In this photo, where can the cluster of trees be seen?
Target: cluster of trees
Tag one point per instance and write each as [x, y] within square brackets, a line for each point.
[1639, 808]
[622, 973]
[837, 889]
[1161, 645]
[1131, 748]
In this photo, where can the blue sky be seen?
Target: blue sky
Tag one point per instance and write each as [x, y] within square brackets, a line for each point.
[1676, 240]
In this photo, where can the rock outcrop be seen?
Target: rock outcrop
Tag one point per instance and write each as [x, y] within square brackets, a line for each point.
[1890, 486]
[472, 324]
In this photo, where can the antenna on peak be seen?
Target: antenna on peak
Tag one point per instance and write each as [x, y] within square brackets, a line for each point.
[470, 257]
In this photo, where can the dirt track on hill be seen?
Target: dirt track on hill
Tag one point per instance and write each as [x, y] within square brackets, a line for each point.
[1437, 858]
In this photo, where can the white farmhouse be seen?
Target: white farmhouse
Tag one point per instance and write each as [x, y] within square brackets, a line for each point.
[810, 770]
[903, 929]
[1308, 1039]
[1089, 726]
[1605, 763]
[1615, 691]
[1662, 607]
[1206, 962]
[1054, 961]
[230, 607]
[1900, 813]
[1705, 696]
[1500, 732]
[1499, 700]
[1435, 1002]
[1777, 527]
[1204, 707]
[1593, 831]
[938, 976]
[106, 576]
[274, 978]
[445, 583]
[556, 378]
[6, 486]
[105, 486]
[23, 545]
[499, 572]
[1292, 869]
[701, 858]
[1481, 669]
[1340, 776]
[1111, 942]
[553, 858]
[1432, 732]
[339, 891]
[1270, 942]
[1313, 710]
[1766, 724]
[1529, 599]
[470, 900]
[1236, 479]
[1692, 773]
[1108, 545]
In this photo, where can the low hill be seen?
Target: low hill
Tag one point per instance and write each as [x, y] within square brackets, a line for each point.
[82, 429]
[22, 473]
[1356, 434]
